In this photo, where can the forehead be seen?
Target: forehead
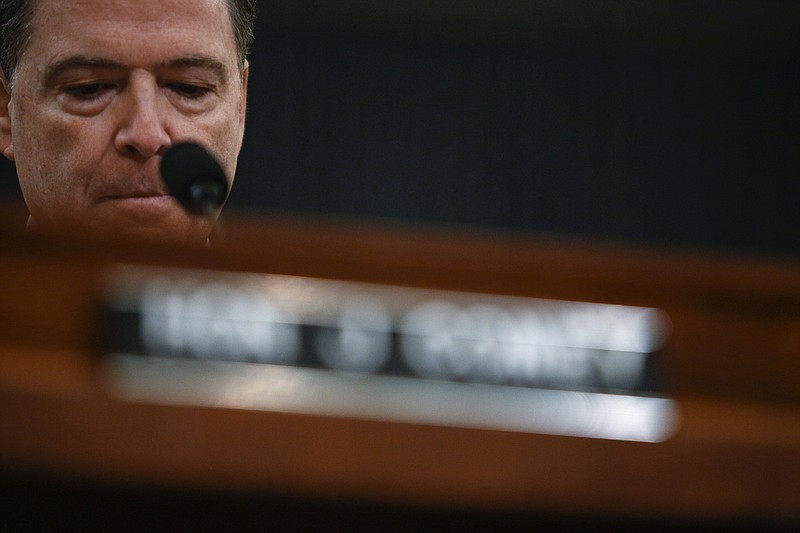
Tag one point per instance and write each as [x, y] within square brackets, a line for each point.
[134, 29]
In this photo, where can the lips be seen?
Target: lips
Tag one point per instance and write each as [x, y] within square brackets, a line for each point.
[137, 208]
[139, 203]
[134, 182]
[136, 195]
[138, 190]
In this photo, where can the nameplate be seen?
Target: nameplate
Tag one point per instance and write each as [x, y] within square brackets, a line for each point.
[387, 330]
[337, 348]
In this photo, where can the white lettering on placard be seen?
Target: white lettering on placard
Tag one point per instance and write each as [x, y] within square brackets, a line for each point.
[361, 339]
[353, 327]
[560, 345]
[215, 321]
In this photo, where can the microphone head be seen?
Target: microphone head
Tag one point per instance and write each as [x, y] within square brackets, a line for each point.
[194, 177]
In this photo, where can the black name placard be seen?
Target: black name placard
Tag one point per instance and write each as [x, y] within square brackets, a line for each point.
[342, 349]
[383, 330]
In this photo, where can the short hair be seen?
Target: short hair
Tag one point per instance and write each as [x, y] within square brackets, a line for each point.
[16, 17]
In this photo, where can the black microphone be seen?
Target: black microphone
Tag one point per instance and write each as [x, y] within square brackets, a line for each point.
[195, 178]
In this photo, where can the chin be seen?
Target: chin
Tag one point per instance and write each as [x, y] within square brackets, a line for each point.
[184, 230]
[164, 221]
[164, 234]
[164, 226]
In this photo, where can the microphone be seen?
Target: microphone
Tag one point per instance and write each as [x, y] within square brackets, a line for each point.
[195, 178]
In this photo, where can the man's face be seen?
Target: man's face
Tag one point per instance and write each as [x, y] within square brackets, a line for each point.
[102, 89]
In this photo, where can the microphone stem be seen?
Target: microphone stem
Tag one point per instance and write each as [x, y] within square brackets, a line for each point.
[209, 212]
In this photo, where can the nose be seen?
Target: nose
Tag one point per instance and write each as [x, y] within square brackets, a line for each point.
[142, 129]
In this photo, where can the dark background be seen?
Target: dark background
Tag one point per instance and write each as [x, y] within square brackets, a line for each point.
[663, 122]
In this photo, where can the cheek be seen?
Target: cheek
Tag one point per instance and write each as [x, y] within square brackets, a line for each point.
[53, 154]
[224, 141]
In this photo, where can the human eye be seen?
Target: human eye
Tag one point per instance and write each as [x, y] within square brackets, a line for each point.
[190, 91]
[191, 96]
[87, 91]
[86, 98]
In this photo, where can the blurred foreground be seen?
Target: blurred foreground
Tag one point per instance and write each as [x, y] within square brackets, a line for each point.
[237, 410]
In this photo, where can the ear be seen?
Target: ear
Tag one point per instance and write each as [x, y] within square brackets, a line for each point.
[6, 144]
[243, 101]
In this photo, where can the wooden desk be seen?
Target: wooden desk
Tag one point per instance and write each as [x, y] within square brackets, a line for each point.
[731, 361]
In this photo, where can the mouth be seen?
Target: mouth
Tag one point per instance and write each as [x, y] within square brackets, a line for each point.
[138, 205]
[137, 196]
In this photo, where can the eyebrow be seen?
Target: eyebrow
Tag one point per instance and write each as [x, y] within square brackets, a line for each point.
[52, 72]
[202, 62]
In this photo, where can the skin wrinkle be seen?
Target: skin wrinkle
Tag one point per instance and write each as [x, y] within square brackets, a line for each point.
[77, 158]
